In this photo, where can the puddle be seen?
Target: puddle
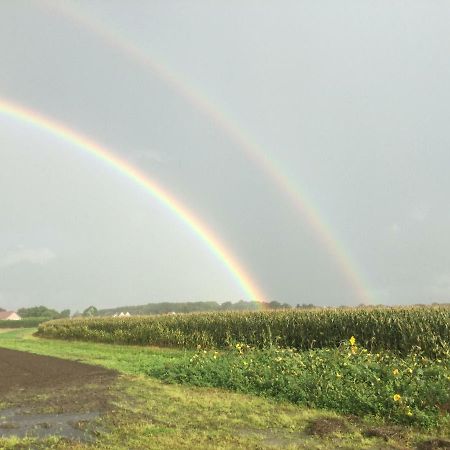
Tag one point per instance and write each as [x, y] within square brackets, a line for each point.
[14, 422]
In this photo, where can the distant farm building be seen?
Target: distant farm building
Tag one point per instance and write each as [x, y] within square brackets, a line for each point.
[9, 315]
[122, 314]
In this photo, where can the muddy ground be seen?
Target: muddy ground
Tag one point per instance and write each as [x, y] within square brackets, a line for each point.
[42, 396]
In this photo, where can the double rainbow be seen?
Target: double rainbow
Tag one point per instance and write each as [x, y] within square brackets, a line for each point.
[278, 175]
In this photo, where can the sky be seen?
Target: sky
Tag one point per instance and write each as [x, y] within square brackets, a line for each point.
[311, 137]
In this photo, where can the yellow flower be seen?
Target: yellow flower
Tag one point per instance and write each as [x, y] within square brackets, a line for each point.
[409, 413]
[397, 397]
[395, 372]
[352, 340]
[338, 375]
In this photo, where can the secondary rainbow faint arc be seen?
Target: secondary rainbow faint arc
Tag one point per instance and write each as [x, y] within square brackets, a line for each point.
[84, 143]
[254, 151]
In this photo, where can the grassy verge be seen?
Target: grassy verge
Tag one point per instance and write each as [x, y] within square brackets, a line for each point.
[131, 360]
[150, 414]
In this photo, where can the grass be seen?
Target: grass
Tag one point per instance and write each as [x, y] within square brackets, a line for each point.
[127, 359]
[148, 413]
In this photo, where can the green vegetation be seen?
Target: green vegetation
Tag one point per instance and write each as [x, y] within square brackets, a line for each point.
[187, 307]
[90, 311]
[400, 368]
[150, 414]
[42, 311]
[24, 323]
[409, 390]
[399, 330]
[127, 359]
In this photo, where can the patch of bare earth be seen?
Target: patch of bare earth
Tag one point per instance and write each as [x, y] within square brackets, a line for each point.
[434, 444]
[326, 426]
[385, 433]
[45, 396]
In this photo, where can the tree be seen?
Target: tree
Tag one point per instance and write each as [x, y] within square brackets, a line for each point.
[38, 311]
[226, 306]
[64, 313]
[90, 311]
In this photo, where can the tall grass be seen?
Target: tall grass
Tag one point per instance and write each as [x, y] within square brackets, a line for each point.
[400, 330]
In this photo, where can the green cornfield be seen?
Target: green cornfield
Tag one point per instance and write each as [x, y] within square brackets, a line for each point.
[400, 330]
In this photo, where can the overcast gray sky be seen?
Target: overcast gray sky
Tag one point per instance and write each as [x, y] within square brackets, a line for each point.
[350, 100]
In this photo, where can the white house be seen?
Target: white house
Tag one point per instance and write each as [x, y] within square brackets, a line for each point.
[9, 315]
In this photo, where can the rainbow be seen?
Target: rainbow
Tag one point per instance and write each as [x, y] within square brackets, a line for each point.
[106, 156]
[290, 187]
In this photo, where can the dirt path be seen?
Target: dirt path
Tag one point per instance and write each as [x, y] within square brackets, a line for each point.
[42, 396]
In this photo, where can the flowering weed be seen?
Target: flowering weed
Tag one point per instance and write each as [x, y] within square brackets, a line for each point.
[349, 379]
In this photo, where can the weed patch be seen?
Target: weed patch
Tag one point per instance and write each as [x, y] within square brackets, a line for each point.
[348, 380]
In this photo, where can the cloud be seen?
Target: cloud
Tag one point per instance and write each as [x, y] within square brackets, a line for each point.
[39, 256]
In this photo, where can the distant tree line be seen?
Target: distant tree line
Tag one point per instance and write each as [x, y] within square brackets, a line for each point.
[42, 312]
[186, 307]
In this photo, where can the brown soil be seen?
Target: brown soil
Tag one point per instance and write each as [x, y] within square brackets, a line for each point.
[42, 395]
[20, 370]
[385, 432]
